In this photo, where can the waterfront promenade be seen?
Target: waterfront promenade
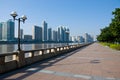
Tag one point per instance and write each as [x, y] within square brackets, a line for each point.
[93, 62]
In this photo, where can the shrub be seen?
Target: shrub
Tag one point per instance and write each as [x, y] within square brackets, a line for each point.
[115, 46]
[111, 45]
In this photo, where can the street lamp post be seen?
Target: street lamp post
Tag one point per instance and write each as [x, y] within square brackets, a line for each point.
[22, 19]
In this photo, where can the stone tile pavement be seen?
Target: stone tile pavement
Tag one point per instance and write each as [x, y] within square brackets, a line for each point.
[93, 62]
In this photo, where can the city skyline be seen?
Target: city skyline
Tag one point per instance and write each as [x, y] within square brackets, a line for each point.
[81, 16]
[41, 34]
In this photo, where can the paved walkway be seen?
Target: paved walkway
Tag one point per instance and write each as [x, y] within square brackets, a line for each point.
[94, 62]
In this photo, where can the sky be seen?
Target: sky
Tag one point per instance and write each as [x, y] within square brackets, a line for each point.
[80, 16]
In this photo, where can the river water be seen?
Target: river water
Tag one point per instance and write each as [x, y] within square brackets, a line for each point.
[4, 48]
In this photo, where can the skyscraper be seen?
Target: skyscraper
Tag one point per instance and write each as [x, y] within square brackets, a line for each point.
[80, 39]
[58, 35]
[44, 31]
[64, 31]
[8, 30]
[0, 31]
[37, 33]
[67, 33]
[88, 38]
[50, 34]
[54, 35]
[21, 33]
[61, 34]
[74, 38]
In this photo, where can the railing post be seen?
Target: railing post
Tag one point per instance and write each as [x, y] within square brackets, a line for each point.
[32, 54]
[55, 50]
[20, 59]
[49, 51]
[2, 60]
[2, 64]
[42, 52]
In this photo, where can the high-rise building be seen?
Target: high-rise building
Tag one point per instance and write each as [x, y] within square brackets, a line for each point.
[70, 38]
[28, 37]
[88, 38]
[0, 31]
[64, 32]
[55, 35]
[61, 34]
[58, 34]
[44, 31]
[74, 39]
[21, 33]
[67, 35]
[8, 30]
[37, 33]
[50, 34]
[80, 39]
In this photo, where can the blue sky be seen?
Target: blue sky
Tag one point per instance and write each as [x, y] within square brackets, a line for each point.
[80, 16]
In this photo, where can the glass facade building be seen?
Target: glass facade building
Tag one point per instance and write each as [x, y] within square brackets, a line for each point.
[21, 33]
[58, 34]
[0, 31]
[50, 34]
[8, 29]
[44, 31]
[37, 33]
[55, 35]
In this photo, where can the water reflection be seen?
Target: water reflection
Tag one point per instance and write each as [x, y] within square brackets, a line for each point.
[6, 48]
[36, 46]
[13, 47]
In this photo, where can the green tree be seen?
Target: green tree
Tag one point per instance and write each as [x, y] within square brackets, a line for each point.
[115, 25]
[112, 32]
[106, 35]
